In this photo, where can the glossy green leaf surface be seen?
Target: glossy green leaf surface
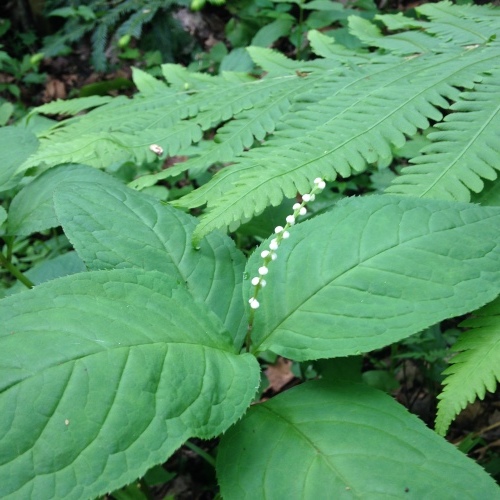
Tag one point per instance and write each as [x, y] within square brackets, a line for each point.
[350, 441]
[104, 375]
[116, 227]
[375, 270]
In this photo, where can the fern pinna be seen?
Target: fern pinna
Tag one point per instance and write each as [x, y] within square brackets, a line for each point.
[338, 115]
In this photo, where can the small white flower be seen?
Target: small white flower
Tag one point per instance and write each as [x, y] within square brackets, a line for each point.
[307, 197]
[263, 283]
[274, 256]
[303, 211]
[254, 303]
[274, 244]
[290, 220]
[256, 281]
[278, 229]
[286, 235]
[264, 253]
[263, 270]
[320, 183]
[296, 206]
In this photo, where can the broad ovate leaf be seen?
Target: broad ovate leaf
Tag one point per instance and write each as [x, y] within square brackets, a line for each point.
[375, 270]
[117, 227]
[105, 374]
[322, 441]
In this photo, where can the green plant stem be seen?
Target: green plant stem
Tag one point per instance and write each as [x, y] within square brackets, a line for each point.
[203, 454]
[15, 271]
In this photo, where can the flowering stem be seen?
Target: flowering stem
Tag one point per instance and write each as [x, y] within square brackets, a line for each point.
[268, 256]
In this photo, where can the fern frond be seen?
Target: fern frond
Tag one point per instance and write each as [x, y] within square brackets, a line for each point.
[461, 24]
[361, 116]
[445, 171]
[407, 42]
[475, 369]
[95, 130]
[325, 46]
[99, 38]
[152, 114]
[133, 25]
[276, 64]
[181, 79]
[55, 44]
[246, 127]
[72, 106]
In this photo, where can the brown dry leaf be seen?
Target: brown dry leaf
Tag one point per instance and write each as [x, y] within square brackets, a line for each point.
[279, 374]
[54, 89]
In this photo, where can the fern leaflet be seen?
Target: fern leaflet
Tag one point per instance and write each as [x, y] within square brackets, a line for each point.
[475, 369]
[444, 171]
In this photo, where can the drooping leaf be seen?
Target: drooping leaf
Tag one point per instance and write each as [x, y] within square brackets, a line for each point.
[343, 441]
[375, 270]
[116, 227]
[32, 209]
[476, 367]
[104, 375]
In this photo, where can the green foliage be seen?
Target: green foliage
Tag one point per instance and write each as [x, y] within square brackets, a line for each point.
[102, 20]
[333, 116]
[305, 435]
[404, 281]
[164, 322]
[18, 67]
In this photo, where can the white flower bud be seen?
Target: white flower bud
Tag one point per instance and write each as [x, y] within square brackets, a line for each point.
[286, 235]
[303, 211]
[274, 256]
[264, 253]
[296, 206]
[263, 270]
[254, 303]
[306, 197]
[320, 183]
[278, 229]
[256, 281]
[263, 283]
[290, 220]
[274, 244]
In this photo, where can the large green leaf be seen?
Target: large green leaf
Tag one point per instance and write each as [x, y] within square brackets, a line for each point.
[375, 270]
[32, 209]
[114, 226]
[16, 144]
[349, 441]
[105, 374]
